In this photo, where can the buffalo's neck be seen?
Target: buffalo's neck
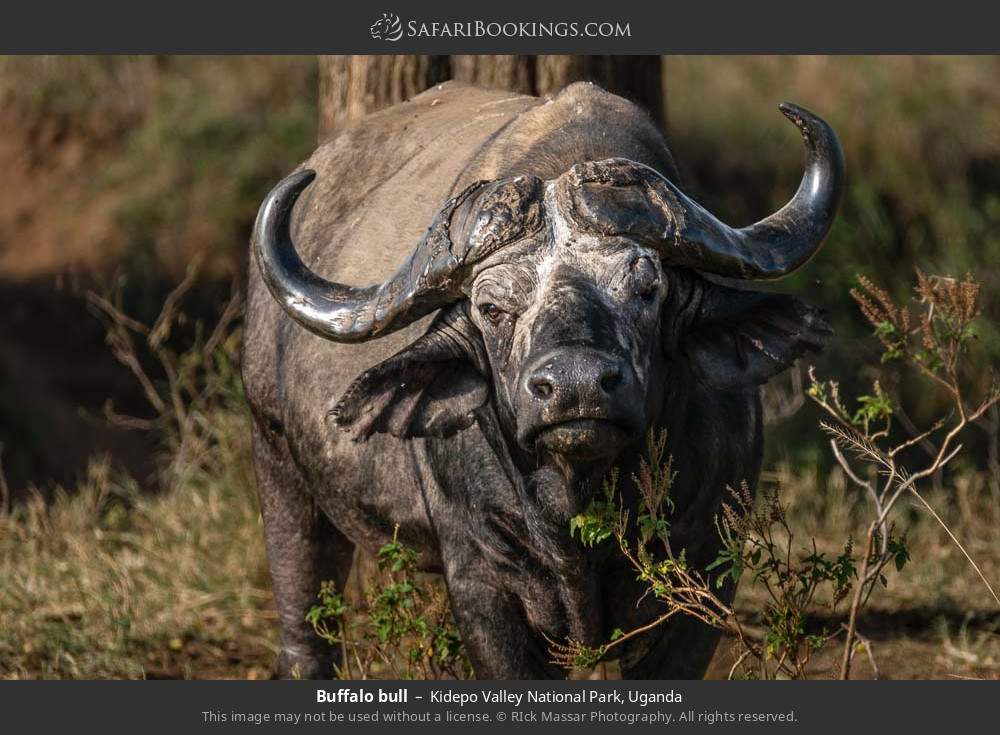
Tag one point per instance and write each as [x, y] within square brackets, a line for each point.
[519, 516]
[563, 487]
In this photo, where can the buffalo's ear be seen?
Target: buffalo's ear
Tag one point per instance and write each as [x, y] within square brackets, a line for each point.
[742, 339]
[430, 388]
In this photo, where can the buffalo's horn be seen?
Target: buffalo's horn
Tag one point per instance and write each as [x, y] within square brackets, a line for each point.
[782, 242]
[431, 277]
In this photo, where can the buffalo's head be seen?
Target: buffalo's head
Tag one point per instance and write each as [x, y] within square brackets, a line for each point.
[572, 302]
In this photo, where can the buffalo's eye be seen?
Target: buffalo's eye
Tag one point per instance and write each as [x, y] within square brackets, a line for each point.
[646, 279]
[491, 311]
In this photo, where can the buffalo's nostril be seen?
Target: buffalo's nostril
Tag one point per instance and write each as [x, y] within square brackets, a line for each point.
[611, 379]
[540, 387]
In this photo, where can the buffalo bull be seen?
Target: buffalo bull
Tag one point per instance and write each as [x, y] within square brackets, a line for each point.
[542, 295]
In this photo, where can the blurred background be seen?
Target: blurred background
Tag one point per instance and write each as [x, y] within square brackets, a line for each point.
[118, 173]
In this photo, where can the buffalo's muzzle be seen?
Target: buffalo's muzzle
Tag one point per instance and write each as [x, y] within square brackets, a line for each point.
[578, 402]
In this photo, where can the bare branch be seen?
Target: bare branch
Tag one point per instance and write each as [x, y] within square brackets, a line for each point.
[116, 315]
[168, 314]
[922, 438]
[124, 421]
[229, 313]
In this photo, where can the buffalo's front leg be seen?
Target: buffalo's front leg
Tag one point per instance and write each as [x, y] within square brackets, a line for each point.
[304, 550]
[492, 623]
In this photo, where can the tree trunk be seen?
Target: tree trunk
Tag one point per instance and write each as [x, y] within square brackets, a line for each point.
[516, 73]
[351, 86]
[638, 78]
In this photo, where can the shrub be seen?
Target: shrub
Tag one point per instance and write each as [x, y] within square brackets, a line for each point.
[404, 630]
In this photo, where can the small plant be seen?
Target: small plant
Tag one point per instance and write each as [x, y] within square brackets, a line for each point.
[756, 544]
[404, 630]
[596, 524]
[759, 544]
[935, 341]
[668, 579]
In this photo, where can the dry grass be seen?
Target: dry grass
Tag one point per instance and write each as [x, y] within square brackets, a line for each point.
[108, 581]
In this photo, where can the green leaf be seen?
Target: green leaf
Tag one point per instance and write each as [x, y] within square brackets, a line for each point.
[596, 524]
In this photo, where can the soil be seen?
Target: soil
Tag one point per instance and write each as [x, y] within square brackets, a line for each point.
[904, 646]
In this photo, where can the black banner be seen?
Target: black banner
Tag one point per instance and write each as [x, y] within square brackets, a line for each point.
[528, 707]
[514, 26]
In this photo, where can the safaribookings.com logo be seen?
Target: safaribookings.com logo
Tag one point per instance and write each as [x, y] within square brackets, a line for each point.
[387, 28]
[390, 28]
